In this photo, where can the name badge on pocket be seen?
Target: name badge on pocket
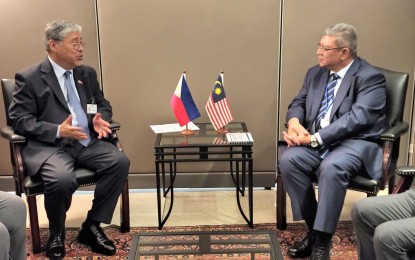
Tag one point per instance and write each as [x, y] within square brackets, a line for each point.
[91, 108]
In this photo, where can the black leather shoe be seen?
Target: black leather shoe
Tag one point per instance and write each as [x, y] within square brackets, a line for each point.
[95, 237]
[320, 253]
[303, 248]
[55, 247]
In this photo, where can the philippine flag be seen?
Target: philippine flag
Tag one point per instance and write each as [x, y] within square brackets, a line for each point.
[182, 103]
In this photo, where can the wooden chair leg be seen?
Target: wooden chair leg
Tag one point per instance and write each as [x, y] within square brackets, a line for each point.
[34, 224]
[391, 184]
[281, 204]
[17, 187]
[404, 184]
[125, 209]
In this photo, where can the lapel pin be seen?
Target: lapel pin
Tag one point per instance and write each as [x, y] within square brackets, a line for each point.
[80, 82]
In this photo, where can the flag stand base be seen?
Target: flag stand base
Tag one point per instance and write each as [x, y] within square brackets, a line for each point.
[222, 131]
[187, 132]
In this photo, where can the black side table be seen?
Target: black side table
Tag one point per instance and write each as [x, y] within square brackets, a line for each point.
[204, 146]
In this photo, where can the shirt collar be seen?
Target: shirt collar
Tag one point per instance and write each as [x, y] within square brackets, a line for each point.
[343, 71]
[59, 71]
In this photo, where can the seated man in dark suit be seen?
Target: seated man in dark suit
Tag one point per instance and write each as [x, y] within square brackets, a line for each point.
[385, 226]
[333, 124]
[50, 104]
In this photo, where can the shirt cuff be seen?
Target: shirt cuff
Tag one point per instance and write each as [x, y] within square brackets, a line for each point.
[57, 133]
[320, 142]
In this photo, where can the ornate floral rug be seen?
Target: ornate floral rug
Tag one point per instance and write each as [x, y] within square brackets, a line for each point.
[343, 246]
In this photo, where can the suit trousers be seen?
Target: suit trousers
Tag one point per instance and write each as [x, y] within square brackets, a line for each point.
[12, 227]
[385, 226]
[301, 166]
[60, 183]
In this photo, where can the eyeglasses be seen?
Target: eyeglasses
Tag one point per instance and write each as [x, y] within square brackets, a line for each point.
[76, 45]
[322, 48]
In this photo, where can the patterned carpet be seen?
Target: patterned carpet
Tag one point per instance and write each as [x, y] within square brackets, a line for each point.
[343, 246]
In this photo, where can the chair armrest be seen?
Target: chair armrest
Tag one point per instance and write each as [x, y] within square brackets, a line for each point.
[390, 134]
[395, 132]
[281, 143]
[405, 171]
[113, 137]
[8, 133]
[115, 126]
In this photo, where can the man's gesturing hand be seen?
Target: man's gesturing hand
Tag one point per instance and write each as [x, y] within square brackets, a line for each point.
[101, 126]
[67, 130]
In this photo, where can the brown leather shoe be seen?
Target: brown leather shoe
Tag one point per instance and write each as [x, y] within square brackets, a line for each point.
[303, 248]
[95, 237]
[55, 247]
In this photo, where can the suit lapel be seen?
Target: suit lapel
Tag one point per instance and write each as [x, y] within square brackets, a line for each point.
[345, 86]
[50, 79]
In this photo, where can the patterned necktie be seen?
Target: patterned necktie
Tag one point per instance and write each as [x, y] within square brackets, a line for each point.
[76, 106]
[328, 98]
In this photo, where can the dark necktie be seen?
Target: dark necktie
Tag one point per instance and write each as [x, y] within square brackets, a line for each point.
[328, 98]
[76, 106]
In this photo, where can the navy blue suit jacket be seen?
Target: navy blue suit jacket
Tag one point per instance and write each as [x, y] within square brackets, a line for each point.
[358, 115]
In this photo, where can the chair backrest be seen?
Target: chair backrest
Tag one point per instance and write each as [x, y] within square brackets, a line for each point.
[396, 87]
[7, 87]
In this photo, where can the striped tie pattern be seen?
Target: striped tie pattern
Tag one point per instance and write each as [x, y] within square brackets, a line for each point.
[75, 104]
[328, 98]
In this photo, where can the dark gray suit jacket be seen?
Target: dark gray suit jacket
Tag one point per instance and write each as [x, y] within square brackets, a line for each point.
[358, 114]
[39, 107]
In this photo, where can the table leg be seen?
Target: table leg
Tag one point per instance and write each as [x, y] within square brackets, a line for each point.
[158, 195]
[171, 188]
[172, 172]
[163, 170]
[251, 191]
[250, 195]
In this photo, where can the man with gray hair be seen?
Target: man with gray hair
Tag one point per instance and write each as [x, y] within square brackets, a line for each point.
[49, 107]
[333, 124]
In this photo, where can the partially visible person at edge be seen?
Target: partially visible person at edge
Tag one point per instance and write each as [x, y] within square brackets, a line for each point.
[333, 124]
[385, 226]
[49, 107]
[12, 227]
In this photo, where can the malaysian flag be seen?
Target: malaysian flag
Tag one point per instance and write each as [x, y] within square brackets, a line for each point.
[217, 106]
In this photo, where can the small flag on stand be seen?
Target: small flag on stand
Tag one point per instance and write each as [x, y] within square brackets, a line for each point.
[182, 103]
[217, 106]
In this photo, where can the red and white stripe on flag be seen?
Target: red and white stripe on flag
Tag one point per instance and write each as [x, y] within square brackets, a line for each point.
[220, 140]
[219, 112]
